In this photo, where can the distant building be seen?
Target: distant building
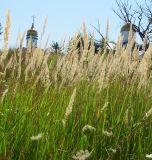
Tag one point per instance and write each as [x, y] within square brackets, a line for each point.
[31, 38]
[125, 29]
[111, 45]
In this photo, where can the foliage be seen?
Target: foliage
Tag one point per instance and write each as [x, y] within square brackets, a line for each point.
[56, 47]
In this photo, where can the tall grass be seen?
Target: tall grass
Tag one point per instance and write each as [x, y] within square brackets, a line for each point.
[79, 105]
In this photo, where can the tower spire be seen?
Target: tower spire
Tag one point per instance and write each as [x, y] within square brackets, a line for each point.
[32, 37]
[33, 22]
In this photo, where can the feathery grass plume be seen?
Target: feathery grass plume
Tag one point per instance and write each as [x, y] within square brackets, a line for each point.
[62, 44]
[44, 27]
[74, 42]
[2, 74]
[127, 116]
[131, 41]
[149, 156]
[69, 108]
[92, 47]
[59, 67]
[19, 65]
[70, 105]
[28, 69]
[143, 70]
[130, 33]
[45, 76]
[46, 43]
[107, 30]
[15, 90]
[29, 46]
[67, 68]
[73, 68]
[37, 137]
[22, 39]
[14, 64]
[112, 150]
[8, 65]
[86, 41]
[85, 35]
[35, 63]
[136, 55]
[108, 134]
[38, 79]
[102, 75]
[18, 39]
[82, 155]
[7, 30]
[144, 43]
[106, 37]
[77, 71]
[4, 94]
[148, 114]
[88, 129]
[20, 57]
[41, 65]
[119, 46]
[6, 34]
[106, 70]
[104, 107]
[92, 68]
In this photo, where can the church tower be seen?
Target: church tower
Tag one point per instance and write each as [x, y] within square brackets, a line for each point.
[31, 38]
[125, 29]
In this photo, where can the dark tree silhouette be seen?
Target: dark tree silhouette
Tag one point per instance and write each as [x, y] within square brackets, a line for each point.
[78, 43]
[55, 47]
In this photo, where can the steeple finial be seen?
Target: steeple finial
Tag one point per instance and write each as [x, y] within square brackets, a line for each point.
[33, 22]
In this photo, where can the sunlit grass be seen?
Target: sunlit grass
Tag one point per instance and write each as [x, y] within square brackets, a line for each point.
[76, 105]
[39, 111]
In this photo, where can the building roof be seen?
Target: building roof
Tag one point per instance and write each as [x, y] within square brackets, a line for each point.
[32, 32]
[127, 26]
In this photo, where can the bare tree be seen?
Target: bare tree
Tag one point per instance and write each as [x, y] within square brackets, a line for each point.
[1, 29]
[139, 15]
[104, 39]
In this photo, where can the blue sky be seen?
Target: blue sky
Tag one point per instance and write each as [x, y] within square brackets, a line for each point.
[64, 16]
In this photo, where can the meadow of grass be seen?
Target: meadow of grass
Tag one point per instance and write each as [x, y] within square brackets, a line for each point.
[78, 105]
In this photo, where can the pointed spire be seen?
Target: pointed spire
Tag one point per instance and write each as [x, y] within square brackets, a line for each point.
[33, 22]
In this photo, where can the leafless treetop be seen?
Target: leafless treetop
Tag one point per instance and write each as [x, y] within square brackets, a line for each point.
[140, 15]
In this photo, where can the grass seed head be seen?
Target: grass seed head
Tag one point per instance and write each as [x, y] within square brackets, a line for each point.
[148, 114]
[108, 134]
[37, 137]
[82, 155]
[149, 156]
[3, 95]
[70, 105]
[88, 129]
